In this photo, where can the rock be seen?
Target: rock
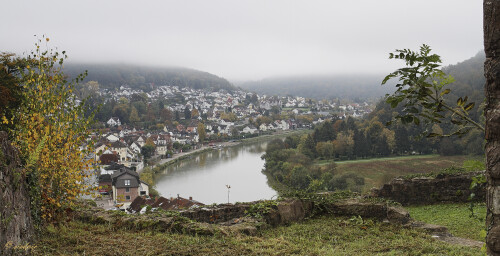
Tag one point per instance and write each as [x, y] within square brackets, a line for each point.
[398, 215]
[493, 239]
[431, 228]
[16, 223]
[290, 211]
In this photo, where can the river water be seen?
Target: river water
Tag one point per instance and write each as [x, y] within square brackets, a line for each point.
[205, 176]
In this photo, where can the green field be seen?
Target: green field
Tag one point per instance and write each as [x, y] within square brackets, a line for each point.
[319, 236]
[456, 217]
[378, 171]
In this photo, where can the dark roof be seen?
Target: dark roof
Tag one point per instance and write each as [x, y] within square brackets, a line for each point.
[119, 177]
[139, 202]
[114, 166]
[162, 202]
[104, 178]
[118, 144]
[175, 204]
[108, 158]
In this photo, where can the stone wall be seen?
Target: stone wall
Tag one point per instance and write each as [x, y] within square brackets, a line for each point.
[16, 225]
[426, 190]
[228, 218]
[292, 210]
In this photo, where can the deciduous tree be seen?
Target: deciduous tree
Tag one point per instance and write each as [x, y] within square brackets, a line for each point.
[50, 132]
[202, 134]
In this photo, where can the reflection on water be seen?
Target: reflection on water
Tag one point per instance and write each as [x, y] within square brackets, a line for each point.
[205, 176]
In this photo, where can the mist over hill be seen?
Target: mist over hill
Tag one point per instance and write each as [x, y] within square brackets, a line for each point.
[468, 74]
[469, 77]
[112, 76]
[355, 86]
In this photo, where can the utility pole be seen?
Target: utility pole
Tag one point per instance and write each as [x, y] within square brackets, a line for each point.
[228, 188]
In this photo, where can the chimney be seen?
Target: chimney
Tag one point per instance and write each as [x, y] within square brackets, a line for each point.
[190, 198]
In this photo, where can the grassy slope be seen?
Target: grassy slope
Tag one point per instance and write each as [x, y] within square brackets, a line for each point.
[382, 170]
[319, 236]
[454, 216]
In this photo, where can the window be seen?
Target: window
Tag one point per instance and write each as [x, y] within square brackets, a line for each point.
[143, 193]
[127, 197]
[127, 182]
[127, 189]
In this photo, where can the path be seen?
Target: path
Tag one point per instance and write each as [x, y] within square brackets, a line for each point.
[175, 156]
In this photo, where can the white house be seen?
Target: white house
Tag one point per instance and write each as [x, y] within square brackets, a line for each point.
[263, 127]
[249, 129]
[112, 138]
[114, 121]
[121, 149]
[135, 147]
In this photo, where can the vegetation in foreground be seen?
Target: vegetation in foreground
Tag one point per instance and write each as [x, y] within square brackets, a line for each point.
[456, 217]
[320, 236]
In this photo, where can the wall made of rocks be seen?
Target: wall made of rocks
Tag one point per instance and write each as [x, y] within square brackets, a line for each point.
[426, 190]
[16, 224]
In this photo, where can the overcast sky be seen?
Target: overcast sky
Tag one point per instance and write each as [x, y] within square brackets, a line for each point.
[247, 39]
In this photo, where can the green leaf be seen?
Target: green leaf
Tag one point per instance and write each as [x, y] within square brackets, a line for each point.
[469, 106]
[416, 120]
[445, 92]
[407, 119]
[432, 134]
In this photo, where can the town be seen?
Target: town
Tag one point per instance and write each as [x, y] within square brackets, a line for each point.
[188, 119]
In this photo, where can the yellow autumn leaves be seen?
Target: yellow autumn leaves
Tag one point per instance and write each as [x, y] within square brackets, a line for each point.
[51, 134]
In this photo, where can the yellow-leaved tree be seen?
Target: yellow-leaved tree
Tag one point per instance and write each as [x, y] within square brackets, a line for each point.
[51, 133]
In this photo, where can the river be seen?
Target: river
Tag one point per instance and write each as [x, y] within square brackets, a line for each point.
[205, 176]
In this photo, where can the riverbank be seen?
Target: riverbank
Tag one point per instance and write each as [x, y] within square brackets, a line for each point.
[163, 163]
[183, 155]
[277, 134]
[152, 174]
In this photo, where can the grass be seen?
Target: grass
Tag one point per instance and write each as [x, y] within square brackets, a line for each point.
[453, 216]
[378, 171]
[320, 236]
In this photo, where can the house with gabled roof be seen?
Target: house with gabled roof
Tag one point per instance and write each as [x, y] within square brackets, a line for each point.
[135, 147]
[114, 121]
[121, 149]
[127, 186]
[112, 138]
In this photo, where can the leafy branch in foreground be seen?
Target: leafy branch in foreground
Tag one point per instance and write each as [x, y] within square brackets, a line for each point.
[422, 88]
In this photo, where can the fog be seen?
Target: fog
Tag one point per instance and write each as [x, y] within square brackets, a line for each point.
[247, 39]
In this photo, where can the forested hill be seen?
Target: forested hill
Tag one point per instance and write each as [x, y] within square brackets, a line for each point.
[141, 77]
[468, 74]
[469, 78]
[354, 86]
[469, 81]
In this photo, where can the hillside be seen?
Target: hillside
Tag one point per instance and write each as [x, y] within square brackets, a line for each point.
[354, 87]
[469, 78]
[468, 74]
[112, 76]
